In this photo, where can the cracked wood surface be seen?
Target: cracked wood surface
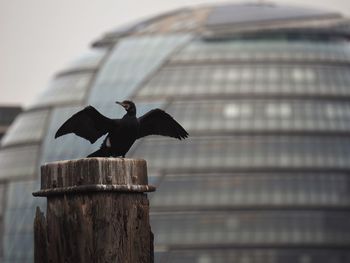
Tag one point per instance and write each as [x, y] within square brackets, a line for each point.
[94, 227]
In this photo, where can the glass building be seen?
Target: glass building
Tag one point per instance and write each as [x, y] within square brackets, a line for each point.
[264, 91]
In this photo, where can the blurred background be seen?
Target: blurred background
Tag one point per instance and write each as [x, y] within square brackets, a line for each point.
[263, 89]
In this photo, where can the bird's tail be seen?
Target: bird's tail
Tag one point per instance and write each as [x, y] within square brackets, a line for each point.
[102, 152]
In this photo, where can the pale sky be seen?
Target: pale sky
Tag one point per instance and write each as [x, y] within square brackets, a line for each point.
[39, 37]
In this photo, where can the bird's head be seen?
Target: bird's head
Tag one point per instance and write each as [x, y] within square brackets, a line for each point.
[128, 105]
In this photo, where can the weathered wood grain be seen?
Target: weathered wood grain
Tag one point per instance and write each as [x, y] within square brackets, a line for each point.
[94, 226]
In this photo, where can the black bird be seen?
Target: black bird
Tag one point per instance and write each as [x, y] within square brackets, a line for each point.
[121, 133]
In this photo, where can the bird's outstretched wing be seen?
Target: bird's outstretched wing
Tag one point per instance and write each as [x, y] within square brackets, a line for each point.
[158, 122]
[88, 124]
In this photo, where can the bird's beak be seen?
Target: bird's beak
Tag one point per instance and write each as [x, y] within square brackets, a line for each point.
[120, 103]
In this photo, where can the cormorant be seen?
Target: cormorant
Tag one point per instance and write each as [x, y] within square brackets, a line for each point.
[121, 133]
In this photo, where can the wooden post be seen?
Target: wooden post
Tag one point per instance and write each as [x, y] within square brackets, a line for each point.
[97, 211]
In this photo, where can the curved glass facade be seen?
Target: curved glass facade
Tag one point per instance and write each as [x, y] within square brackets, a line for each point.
[264, 176]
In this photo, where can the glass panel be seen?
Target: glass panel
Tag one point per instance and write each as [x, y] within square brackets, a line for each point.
[255, 14]
[19, 195]
[245, 79]
[262, 115]
[65, 89]
[88, 60]
[245, 152]
[237, 50]
[14, 255]
[28, 127]
[19, 161]
[131, 61]
[242, 227]
[2, 201]
[19, 216]
[257, 256]
[254, 189]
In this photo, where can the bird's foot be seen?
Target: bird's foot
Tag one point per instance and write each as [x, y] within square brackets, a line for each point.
[118, 156]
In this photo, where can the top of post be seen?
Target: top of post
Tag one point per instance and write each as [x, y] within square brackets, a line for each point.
[94, 175]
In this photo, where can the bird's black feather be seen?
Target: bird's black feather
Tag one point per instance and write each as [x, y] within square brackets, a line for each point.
[158, 122]
[88, 124]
